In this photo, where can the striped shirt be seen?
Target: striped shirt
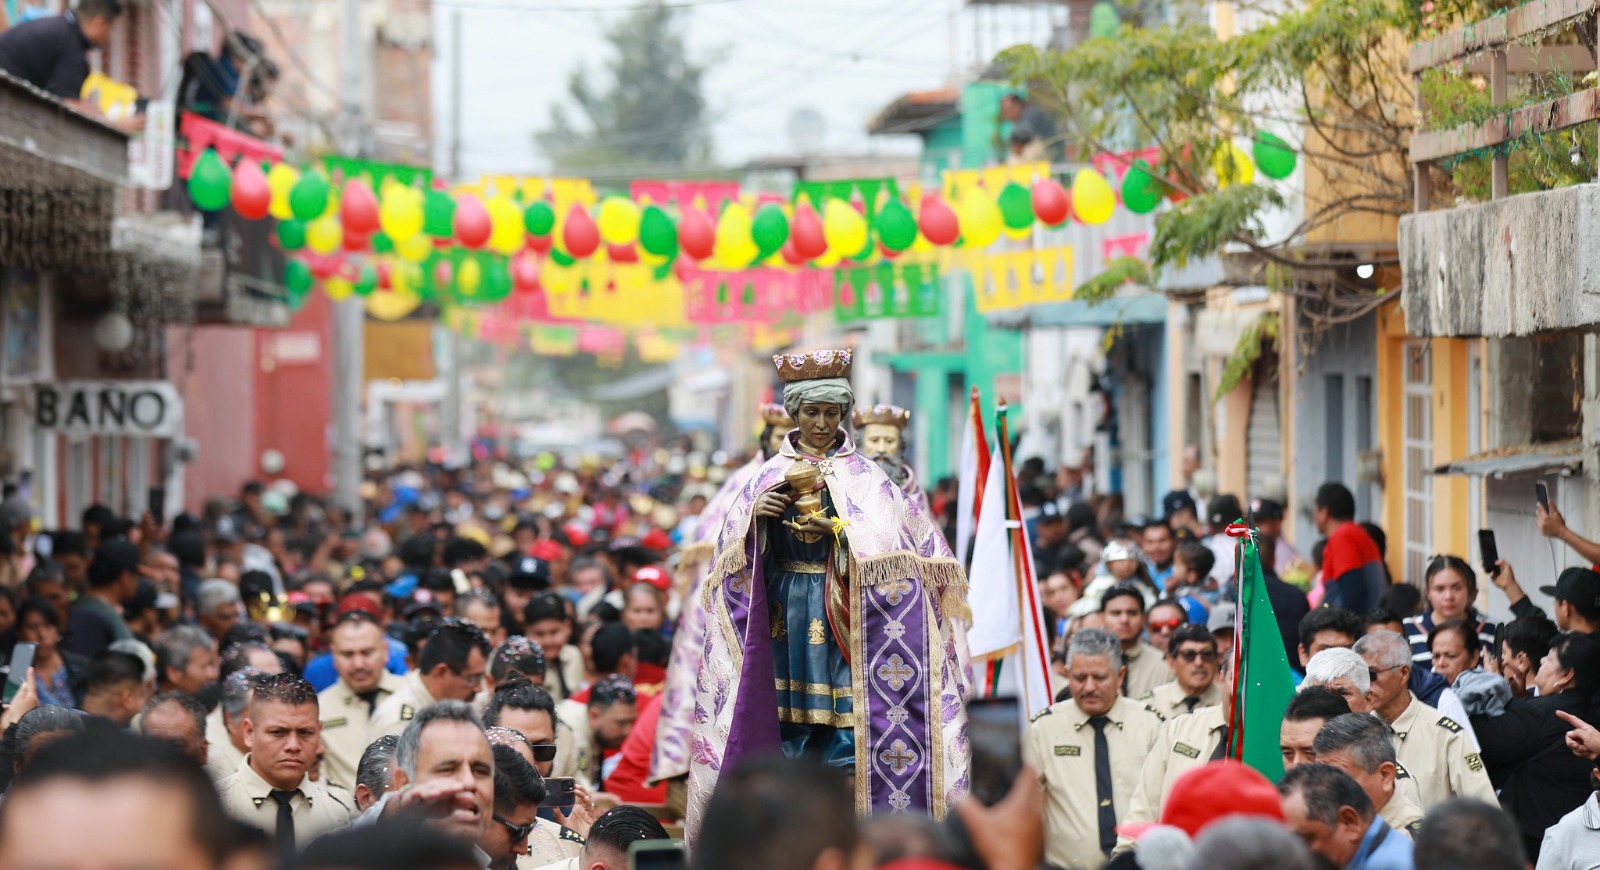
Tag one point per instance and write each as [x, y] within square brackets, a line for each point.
[1418, 628]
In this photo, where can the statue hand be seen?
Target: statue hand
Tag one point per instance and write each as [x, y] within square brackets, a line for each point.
[771, 505]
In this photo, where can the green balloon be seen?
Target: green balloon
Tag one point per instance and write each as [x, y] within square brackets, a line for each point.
[663, 271]
[308, 199]
[496, 284]
[1141, 193]
[1016, 206]
[367, 282]
[561, 259]
[769, 230]
[657, 233]
[210, 182]
[298, 279]
[1273, 156]
[1103, 19]
[539, 219]
[382, 244]
[438, 215]
[292, 235]
[897, 229]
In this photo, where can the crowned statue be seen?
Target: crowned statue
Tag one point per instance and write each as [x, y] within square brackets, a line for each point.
[883, 439]
[669, 761]
[831, 607]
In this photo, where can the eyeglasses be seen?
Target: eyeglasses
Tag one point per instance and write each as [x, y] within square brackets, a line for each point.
[1166, 625]
[543, 752]
[518, 832]
[1205, 655]
[1372, 673]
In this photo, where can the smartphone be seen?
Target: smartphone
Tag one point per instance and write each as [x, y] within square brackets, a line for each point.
[994, 728]
[1542, 493]
[158, 503]
[563, 792]
[657, 855]
[1489, 552]
[21, 660]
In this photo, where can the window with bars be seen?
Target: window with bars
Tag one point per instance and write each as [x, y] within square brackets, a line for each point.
[1417, 457]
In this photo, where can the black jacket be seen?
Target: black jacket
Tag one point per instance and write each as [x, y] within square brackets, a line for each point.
[1525, 750]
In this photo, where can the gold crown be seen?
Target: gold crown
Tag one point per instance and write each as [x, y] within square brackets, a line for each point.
[776, 415]
[811, 366]
[882, 415]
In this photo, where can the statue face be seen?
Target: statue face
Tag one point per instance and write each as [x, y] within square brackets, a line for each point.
[775, 439]
[819, 424]
[880, 439]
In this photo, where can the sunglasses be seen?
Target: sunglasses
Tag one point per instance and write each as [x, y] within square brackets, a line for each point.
[1372, 673]
[1166, 625]
[543, 752]
[518, 832]
[1205, 655]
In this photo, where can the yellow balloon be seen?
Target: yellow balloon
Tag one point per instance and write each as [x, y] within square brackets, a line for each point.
[391, 305]
[468, 276]
[400, 212]
[1092, 199]
[980, 218]
[338, 289]
[1232, 164]
[506, 234]
[843, 227]
[735, 249]
[281, 179]
[415, 249]
[618, 220]
[324, 235]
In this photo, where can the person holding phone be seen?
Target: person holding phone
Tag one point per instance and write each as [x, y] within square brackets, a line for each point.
[1553, 525]
[60, 677]
[1451, 587]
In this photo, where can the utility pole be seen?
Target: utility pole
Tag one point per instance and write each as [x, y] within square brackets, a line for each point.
[349, 317]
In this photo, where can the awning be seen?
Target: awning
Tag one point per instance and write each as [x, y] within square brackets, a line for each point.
[1565, 457]
[1141, 307]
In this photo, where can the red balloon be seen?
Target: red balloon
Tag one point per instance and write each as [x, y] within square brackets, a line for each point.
[805, 231]
[524, 272]
[472, 221]
[541, 244]
[938, 222]
[442, 274]
[888, 253]
[622, 253]
[358, 208]
[696, 236]
[1051, 205]
[354, 241]
[580, 234]
[324, 266]
[251, 196]
[385, 276]
[790, 255]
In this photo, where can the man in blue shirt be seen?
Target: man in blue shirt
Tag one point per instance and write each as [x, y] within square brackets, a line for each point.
[1335, 818]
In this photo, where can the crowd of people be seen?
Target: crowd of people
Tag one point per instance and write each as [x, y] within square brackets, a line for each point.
[474, 677]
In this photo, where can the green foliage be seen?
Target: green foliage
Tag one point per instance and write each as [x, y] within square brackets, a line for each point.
[649, 112]
[1118, 272]
[1246, 352]
[1207, 222]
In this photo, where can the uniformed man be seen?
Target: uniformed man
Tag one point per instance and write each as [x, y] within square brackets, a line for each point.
[1362, 746]
[545, 621]
[1183, 743]
[1192, 658]
[272, 789]
[1123, 609]
[444, 773]
[360, 656]
[449, 668]
[1308, 711]
[1089, 751]
[518, 792]
[529, 710]
[610, 838]
[1430, 745]
[225, 725]
[602, 725]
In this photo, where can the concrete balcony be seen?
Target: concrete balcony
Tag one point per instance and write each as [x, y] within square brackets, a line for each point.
[1511, 267]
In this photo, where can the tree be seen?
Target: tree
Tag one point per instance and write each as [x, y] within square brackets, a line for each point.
[651, 114]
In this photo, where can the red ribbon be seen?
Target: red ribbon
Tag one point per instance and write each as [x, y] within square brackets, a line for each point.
[1237, 529]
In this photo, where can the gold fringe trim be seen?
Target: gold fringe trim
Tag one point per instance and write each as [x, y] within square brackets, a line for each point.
[690, 560]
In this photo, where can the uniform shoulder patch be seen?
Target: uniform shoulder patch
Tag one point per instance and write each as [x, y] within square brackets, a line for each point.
[1185, 750]
[1414, 828]
[1156, 712]
[334, 723]
[1449, 724]
[1400, 771]
[1040, 715]
[570, 835]
[1474, 762]
[1148, 694]
[407, 712]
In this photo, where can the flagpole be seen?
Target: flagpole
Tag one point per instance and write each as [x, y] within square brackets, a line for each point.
[1026, 594]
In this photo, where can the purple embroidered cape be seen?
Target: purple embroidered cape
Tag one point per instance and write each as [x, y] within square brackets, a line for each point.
[904, 587]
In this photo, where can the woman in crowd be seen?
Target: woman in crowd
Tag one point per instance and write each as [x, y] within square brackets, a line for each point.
[59, 675]
[1525, 749]
[1455, 647]
[1451, 586]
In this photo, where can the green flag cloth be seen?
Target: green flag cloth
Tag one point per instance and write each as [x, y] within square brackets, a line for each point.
[1264, 684]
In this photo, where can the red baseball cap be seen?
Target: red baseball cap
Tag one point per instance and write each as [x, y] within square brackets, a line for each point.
[657, 540]
[576, 535]
[545, 549]
[1212, 792]
[362, 602]
[654, 576]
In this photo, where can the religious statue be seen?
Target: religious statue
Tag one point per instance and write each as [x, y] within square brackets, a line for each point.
[831, 607]
[882, 429]
[670, 758]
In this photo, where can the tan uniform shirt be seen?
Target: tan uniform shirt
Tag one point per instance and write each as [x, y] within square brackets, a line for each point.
[1060, 744]
[346, 727]
[571, 668]
[1147, 669]
[222, 757]
[1402, 813]
[1184, 743]
[1433, 747]
[1168, 699]
[550, 843]
[395, 712]
[586, 756]
[568, 753]
[248, 798]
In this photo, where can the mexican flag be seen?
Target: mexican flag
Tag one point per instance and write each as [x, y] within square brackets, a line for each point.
[1263, 683]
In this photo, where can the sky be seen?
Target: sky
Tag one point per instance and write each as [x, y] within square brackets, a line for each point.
[843, 59]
